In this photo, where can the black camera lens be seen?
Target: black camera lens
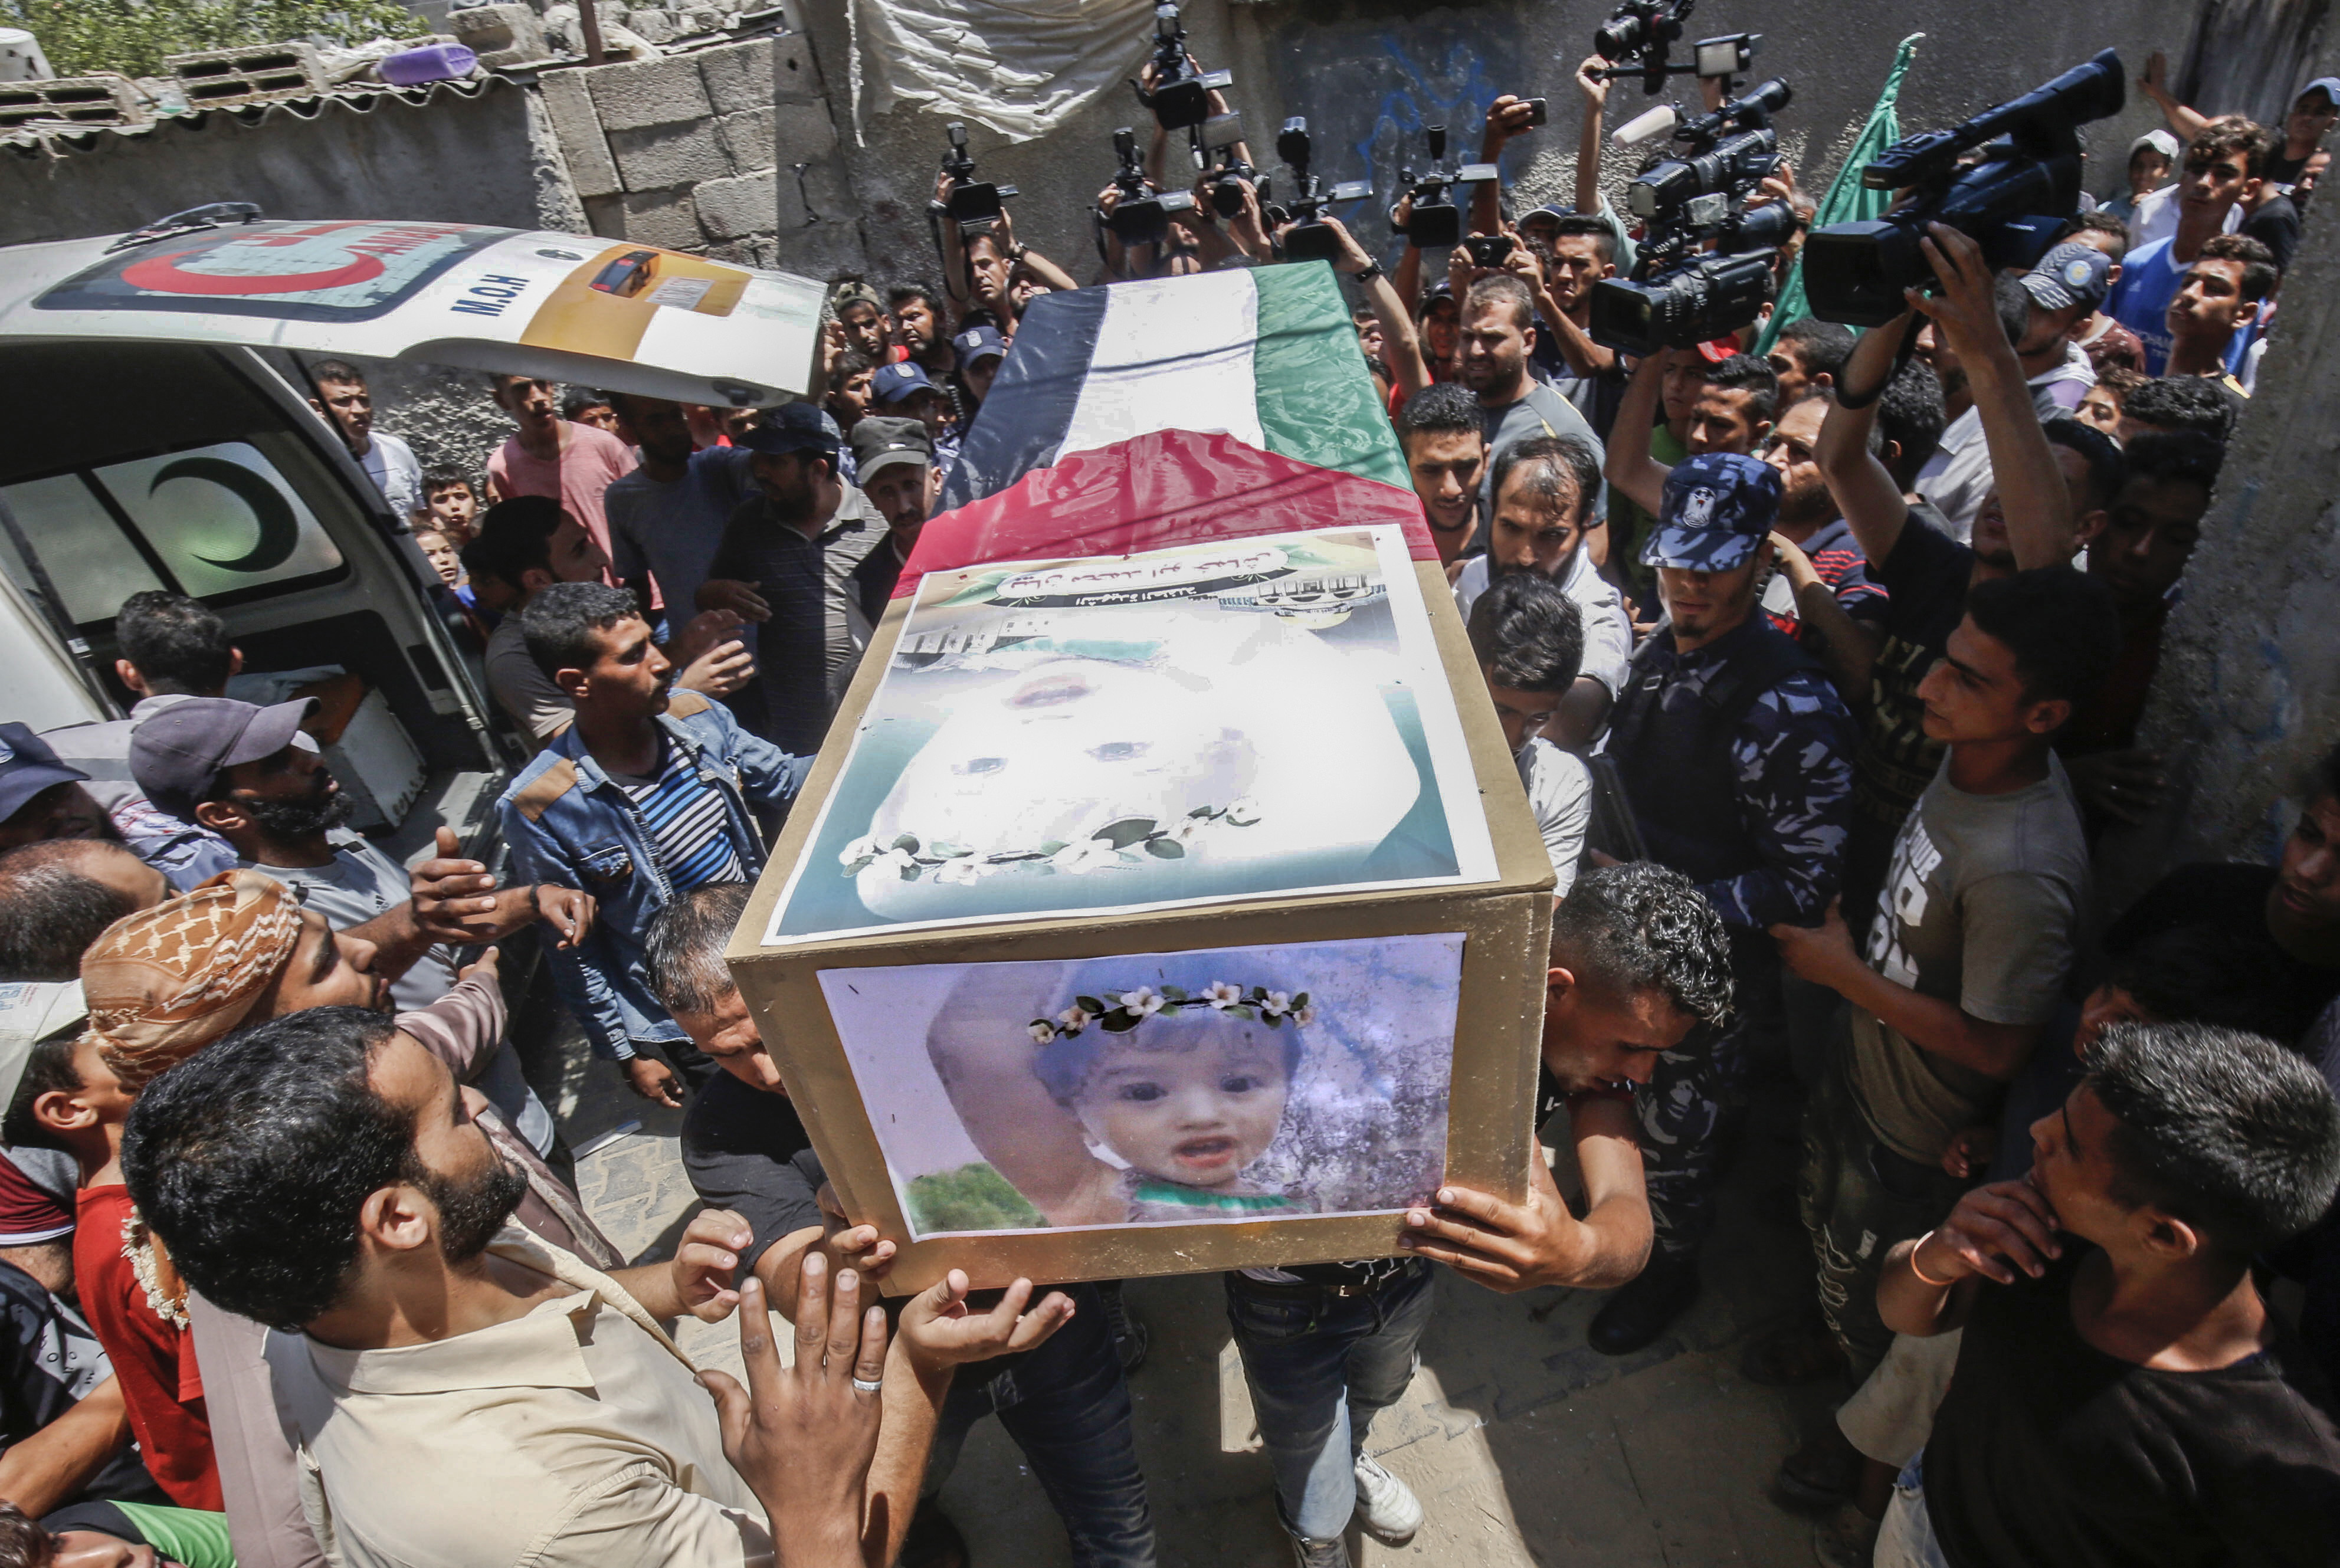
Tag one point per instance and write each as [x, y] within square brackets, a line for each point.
[1620, 37]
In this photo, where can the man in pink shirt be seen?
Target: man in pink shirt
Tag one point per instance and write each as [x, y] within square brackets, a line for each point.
[550, 456]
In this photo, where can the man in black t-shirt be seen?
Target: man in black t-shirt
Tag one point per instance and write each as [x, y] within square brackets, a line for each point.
[2123, 1397]
[1059, 1391]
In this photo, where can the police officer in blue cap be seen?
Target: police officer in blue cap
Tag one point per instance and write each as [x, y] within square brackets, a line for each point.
[1735, 754]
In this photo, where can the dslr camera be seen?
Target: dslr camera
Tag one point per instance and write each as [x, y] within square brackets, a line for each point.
[974, 205]
[1141, 216]
[1309, 239]
[1681, 294]
[2010, 199]
[1182, 94]
[1435, 220]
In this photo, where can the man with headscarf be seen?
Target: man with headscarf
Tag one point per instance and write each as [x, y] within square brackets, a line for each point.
[165, 983]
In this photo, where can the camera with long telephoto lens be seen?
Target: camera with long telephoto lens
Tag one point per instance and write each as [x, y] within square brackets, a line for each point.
[1434, 219]
[1142, 215]
[1308, 240]
[974, 205]
[2010, 201]
[1705, 269]
[1181, 96]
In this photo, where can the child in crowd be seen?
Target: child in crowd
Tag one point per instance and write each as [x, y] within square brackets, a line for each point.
[583, 405]
[2102, 403]
[451, 504]
[1179, 1091]
[443, 553]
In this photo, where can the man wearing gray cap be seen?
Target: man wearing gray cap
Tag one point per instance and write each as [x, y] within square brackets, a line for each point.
[249, 775]
[895, 458]
[2066, 288]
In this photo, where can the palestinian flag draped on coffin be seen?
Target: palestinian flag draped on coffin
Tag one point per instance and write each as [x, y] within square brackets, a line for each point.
[1265, 360]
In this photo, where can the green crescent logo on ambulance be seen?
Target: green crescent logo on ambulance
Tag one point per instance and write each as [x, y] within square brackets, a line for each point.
[280, 530]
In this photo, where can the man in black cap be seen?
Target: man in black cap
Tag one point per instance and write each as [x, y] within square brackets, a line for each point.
[786, 564]
[895, 459]
[1735, 753]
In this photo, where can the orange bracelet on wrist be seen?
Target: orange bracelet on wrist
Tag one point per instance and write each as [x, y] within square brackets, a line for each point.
[1924, 1278]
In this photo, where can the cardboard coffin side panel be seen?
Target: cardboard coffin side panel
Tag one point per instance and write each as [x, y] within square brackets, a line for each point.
[1503, 924]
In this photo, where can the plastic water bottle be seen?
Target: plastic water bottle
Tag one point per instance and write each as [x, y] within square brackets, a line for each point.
[431, 62]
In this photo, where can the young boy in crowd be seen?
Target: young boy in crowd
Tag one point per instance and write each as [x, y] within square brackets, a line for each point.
[584, 405]
[451, 503]
[2123, 1394]
[1529, 639]
[2102, 405]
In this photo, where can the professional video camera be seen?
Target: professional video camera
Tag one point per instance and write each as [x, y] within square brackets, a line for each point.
[1228, 170]
[1141, 216]
[2010, 201]
[1681, 294]
[1638, 40]
[1181, 96]
[1434, 219]
[1309, 239]
[973, 205]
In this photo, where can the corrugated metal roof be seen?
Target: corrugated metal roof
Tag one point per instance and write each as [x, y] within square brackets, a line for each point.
[63, 141]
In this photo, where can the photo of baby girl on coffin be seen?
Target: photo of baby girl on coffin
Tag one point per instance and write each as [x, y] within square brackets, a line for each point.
[1261, 717]
[1229, 1084]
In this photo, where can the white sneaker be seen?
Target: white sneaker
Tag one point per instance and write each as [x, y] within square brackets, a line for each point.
[1390, 1510]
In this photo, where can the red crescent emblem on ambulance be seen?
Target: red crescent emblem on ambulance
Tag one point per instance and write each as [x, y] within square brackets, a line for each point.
[160, 274]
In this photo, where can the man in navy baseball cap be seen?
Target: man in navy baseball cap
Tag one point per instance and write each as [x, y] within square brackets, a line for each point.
[1719, 506]
[980, 349]
[902, 391]
[40, 797]
[795, 427]
[1735, 754]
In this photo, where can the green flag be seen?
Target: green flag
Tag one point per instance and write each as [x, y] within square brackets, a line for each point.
[1848, 200]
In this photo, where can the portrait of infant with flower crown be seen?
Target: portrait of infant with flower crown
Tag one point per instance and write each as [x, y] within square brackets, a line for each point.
[1180, 727]
[1224, 1085]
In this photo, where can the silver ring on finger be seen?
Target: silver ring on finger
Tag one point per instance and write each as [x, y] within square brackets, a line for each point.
[866, 1385]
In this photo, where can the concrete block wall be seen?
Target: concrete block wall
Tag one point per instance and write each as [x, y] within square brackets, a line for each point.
[698, 152]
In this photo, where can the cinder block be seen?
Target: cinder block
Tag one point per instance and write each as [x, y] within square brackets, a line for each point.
[605, 217]
[663, 156]
[500, 34]
[668, 218]
[738, 76]
[106, 98]
[569, 103]
[636, 93]
[732, 209]
[749, 140]
[653, 25]
[796, 74]
[802, 132]
[253, 75]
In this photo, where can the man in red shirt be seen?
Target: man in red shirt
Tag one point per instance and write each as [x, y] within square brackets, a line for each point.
[550, 456]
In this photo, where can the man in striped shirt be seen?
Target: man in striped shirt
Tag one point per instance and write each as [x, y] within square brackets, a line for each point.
[651, 793]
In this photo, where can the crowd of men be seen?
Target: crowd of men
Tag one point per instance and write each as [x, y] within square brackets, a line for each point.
[1822, 658]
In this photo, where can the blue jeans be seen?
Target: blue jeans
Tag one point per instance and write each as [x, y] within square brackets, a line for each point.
[1066, 1404]
[1905, 1539]
[1320, 1366]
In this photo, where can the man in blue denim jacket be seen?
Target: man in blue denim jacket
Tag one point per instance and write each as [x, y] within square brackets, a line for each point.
[650, 793]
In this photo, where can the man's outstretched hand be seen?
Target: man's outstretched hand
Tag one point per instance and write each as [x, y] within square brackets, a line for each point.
[802, 1436]
[653, 1080]
[938, 1330]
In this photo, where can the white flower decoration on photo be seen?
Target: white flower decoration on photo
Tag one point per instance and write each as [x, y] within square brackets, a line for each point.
[1120, 845]
[1118, 1012]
